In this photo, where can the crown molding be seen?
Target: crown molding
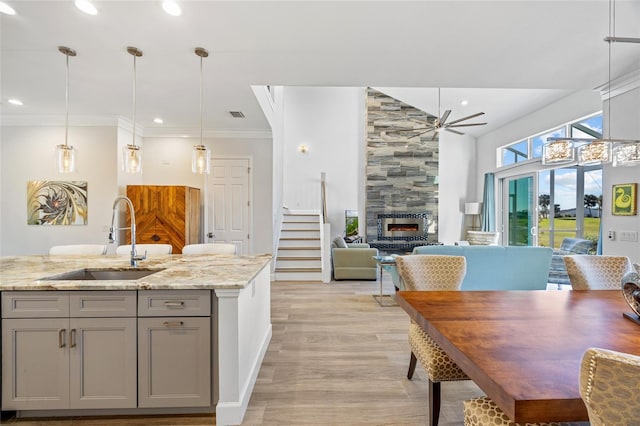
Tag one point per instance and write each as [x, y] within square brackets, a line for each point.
[127, 125]
[620, 85]
[190, 133]
[58, 120]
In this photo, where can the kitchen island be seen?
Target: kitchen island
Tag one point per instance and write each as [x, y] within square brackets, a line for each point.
[122, 344]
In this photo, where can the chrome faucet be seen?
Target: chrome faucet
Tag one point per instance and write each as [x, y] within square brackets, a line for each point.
[134, 256]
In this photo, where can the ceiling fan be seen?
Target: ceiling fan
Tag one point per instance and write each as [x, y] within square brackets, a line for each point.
[440, 124]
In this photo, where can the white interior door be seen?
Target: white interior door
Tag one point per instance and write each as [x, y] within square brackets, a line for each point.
[228, 210]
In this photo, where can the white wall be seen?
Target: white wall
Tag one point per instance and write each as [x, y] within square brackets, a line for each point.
[625, 110]
[330, 122]
[167, 161]
[457, 185]
[28, 153]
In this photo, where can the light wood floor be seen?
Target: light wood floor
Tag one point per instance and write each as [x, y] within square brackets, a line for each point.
[336, 358]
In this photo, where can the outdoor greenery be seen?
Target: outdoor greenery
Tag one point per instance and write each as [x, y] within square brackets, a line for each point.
[565, 227]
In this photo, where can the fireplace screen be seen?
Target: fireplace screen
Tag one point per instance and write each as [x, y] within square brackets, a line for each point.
[402, 226]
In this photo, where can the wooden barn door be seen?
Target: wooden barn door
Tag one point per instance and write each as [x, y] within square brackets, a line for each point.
[165, 215]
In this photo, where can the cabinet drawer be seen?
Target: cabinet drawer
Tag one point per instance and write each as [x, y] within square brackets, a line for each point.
[85, 304]
[174, 303]
[35, 304]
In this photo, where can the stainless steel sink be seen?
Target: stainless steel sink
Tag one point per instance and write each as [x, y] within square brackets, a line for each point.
[104, 274]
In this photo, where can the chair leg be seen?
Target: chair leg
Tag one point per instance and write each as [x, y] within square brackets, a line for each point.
[412, 366]
[434, 403]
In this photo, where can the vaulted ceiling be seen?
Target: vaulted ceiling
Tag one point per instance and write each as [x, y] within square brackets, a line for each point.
[505, 57]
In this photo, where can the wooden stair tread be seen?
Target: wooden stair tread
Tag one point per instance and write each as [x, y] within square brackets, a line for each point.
[298, 258]
[299, 238]
[298, 248]
[298, 269]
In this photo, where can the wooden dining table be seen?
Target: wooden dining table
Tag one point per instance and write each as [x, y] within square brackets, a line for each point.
[524, 348]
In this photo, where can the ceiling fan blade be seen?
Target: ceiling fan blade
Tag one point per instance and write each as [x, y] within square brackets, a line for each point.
[444, 117]
[453, 131]
[467, 117]
[420, 134]
[465, 125]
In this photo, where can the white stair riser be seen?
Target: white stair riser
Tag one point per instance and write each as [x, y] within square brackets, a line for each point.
[300, 225]
[298, 253]
[298, 276]
[300, 243]
[300, 218]
[295, 233]
[298, 263]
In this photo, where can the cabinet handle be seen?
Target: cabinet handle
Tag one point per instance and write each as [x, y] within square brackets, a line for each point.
[173, 323]
[174, 304]
[72, 335]
[61, 338]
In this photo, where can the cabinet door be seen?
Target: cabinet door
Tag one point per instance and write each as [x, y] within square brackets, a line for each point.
[103, 362]
[174, 368]
[35, 364]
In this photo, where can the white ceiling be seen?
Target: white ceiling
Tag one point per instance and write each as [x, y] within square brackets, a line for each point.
[505, 57]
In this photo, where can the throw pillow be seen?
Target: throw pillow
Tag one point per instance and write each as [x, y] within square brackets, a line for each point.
[339, 242]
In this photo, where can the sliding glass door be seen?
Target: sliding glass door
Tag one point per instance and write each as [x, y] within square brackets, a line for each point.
[520, 211]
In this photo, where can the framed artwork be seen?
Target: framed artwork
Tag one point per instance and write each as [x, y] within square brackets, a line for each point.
[624, 199]
[56, 203]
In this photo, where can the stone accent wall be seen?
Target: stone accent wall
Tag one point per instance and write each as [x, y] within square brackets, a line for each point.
[401, 171]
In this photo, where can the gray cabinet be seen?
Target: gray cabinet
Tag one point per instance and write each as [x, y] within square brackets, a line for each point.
[51, 360]
[174, 348]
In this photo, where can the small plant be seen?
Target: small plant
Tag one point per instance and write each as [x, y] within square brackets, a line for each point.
[594, 243]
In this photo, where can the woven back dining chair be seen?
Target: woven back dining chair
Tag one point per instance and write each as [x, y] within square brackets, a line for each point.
[424, 273]
[589, 272]
[609, 383]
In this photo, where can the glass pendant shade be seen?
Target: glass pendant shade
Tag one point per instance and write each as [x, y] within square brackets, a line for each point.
[558, 152]
[65, 159]
[596, 152]
[201, 160]
[65, 154]
[201, 155]
[132, 160]
[626, 154]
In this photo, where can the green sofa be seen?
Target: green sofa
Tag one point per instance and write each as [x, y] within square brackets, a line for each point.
[353, 261]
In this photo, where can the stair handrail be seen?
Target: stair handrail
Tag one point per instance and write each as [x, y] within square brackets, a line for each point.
[323, 196]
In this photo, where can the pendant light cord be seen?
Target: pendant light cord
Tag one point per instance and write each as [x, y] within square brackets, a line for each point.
[612, 18]
[134, 101]
[66, 98]
[200, 100]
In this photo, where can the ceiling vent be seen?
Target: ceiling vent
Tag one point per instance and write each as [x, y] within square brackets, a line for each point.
[236, 114]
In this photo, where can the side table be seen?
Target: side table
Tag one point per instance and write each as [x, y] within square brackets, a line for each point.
[388, 263]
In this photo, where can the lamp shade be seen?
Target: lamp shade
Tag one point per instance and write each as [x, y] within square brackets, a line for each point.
[558, 152]
[472, 208]
[596, 152]
[626, 154]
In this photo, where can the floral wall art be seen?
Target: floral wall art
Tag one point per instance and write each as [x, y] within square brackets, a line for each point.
[56, 203]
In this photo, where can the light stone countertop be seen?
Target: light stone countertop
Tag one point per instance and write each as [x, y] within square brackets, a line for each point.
[206, 272]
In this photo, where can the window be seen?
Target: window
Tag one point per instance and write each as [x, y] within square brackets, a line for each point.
[531, 147]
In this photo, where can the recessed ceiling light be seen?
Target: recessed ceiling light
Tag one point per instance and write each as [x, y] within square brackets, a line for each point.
[15, 102]
[158, 120]
[86, 7]
[6, 9]
[171, 7]
[464, 102]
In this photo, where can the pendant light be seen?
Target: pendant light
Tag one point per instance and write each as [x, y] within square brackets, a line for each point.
[603, 150]
[201, 157]
[65, 154]
[133, 153]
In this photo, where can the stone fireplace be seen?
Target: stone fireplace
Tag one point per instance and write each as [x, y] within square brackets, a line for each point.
[401, 176]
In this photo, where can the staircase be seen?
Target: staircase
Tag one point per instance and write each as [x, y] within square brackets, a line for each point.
[299, 254]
